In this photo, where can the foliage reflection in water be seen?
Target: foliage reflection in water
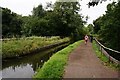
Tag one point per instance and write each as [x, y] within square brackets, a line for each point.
[25, 67]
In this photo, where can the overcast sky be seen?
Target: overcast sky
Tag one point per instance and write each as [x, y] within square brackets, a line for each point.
[24, 7]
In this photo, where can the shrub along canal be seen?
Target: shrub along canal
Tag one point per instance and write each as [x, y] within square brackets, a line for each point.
[26, 66]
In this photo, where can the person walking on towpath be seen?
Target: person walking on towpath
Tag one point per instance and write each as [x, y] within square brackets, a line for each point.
[86, 39]
[83, 64]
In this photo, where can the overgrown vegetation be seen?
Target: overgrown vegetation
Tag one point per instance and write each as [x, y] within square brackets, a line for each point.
[104, 59]
[11, 48]
[108, 26]
[54, 67]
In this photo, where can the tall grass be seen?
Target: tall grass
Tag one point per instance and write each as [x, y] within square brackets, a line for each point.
[54, 67]
[104, 59]
[17, 47]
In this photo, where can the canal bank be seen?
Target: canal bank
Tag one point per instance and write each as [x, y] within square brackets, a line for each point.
[54, 67]
[26, 66]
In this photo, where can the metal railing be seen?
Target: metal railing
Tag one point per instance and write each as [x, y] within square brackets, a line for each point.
[103, 49]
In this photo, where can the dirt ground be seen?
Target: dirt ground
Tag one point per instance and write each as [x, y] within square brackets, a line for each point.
[83, 63]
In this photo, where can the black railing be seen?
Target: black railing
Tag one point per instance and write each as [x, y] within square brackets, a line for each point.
[104, 50]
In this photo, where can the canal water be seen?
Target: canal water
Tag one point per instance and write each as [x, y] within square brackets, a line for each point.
[26, 67]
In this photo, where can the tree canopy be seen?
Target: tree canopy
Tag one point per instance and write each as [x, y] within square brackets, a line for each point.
[11, 23]
[108, 26]
[61, 19]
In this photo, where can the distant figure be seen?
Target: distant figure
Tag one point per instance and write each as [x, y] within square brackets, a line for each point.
[91, 38]
[86, 39]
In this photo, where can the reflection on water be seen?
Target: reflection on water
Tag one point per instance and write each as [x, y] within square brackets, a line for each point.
[18, 72]
[25, 67]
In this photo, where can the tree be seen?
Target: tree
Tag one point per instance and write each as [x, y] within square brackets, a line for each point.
[11, 23]
[67, 19]
[97, 24]
[109, 25]
[97, 2]
[90, 29]
[38, 11]
[61, 19]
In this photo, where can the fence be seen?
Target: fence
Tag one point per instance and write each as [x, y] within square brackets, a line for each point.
[103, 49]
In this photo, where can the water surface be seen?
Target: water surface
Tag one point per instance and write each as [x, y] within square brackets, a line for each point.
[25, 67]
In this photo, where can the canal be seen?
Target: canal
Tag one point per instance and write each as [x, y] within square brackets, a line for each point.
[26, 66]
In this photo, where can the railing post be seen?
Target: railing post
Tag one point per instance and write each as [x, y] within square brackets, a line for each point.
[109, 59]
[98, 46]
[101, 50]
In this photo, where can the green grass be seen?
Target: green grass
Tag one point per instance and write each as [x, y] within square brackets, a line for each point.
[104, 59]
[17, 47]
[54, 67]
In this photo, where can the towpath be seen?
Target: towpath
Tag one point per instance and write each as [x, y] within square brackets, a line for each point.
[83, 63]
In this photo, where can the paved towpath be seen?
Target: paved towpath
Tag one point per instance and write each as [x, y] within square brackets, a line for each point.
[83, 63]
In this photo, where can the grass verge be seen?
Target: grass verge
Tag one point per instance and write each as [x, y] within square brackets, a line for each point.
[14, 47]
[54, 67]
[104, 59]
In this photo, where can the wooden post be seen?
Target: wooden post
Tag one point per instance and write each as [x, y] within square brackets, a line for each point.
[101, 50]
[109, 59]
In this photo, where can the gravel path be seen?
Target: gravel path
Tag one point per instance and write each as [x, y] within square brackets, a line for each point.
[83, 63]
